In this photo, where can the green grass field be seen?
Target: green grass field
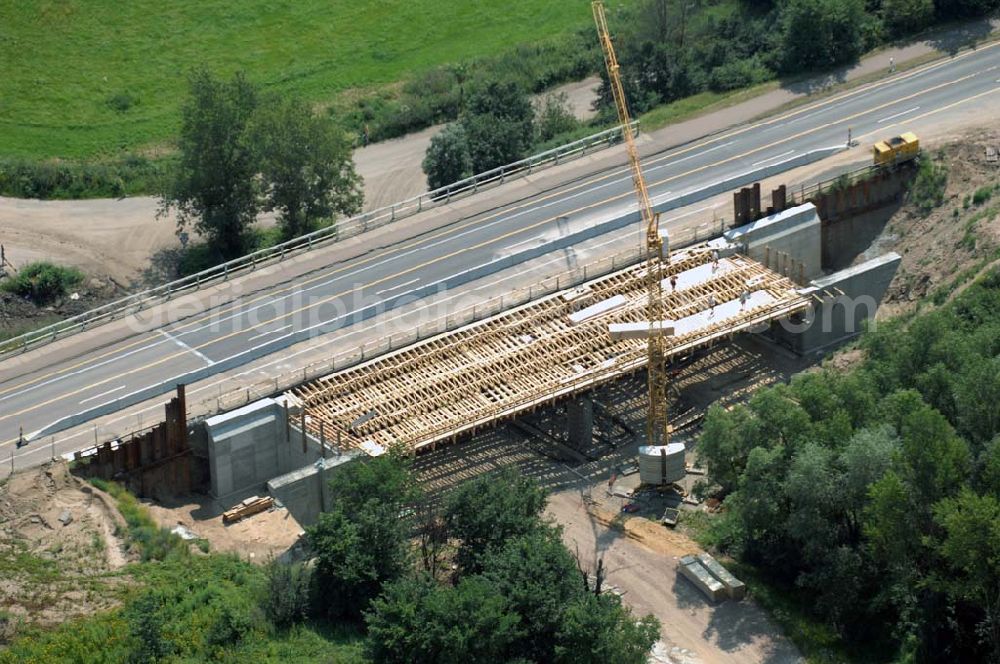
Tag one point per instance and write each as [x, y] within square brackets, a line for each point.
[84, 79]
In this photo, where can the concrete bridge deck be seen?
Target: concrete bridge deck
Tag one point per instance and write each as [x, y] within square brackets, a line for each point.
[494, 369]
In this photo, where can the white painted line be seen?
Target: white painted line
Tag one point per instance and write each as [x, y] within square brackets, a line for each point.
[103, 394]
[779, 156]
[264, 334]
[896, 115]
[185, 346]
[688, 214]
[398, 286]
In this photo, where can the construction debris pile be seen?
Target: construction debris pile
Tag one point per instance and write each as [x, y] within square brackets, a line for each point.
[516, 361]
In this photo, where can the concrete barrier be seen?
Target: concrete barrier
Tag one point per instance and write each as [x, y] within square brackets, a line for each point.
[453, 281]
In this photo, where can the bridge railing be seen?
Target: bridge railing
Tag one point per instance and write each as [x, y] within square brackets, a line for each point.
[343, 229]
[199, 409]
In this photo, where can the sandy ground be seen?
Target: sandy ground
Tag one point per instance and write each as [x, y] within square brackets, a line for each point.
[71, 530]
[257, 538]
[641, 564]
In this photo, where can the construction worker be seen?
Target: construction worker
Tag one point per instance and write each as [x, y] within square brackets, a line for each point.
[892, 65]
[673, 283]
[715, 260]
[711, 304]
[744, 297]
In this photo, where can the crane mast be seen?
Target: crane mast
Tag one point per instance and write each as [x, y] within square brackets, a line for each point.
[657, 425]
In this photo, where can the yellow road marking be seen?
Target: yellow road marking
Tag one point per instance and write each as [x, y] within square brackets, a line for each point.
[504, 236]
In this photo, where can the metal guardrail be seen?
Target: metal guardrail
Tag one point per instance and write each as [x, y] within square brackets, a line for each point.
[246, 394]
[344, 229]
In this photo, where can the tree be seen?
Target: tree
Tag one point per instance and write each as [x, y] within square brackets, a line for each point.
[306, 166]
[970, 548]
[905, 16]
[385, 480]
[538, 577]
[417, 620]
[952, 9]
[499, 124]
[597, 628]
[821, 33]
[356, 556]
[489, 510]
[215, 185]
[447, 159]
[146, 630]
[553, 117]
[285, 597]
[362, 543]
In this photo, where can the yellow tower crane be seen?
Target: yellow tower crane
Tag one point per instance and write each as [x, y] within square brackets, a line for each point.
[657, 251]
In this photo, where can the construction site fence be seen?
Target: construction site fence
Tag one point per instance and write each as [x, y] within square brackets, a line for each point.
[842, 181]
[238, 397]
[341, 230]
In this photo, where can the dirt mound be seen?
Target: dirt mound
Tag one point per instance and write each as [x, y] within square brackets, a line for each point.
[59, 546]
[960, 237]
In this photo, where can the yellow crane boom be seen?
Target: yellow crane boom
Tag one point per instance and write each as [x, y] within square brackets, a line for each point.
[657, 425]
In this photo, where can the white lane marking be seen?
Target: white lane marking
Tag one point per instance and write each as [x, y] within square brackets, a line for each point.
[264, 334]
[688, 214]
[183, 345]
[778, 156]
[896, 115]
[81, 371]
[398, 286]
[103, 394]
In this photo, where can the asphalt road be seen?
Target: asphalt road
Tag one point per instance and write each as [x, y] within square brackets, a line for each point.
[330, 298]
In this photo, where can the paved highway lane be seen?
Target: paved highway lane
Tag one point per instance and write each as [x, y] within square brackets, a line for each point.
[331, 298]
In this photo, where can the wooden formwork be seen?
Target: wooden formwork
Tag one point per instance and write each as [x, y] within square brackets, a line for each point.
[531, 355]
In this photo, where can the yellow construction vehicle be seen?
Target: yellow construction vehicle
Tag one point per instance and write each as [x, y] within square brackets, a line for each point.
[896, 150]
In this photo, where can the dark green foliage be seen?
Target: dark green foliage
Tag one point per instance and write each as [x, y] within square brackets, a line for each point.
[285, 598]
[874, 494]
[950, 10]
[490, 510]
[820, 33]
[42, 282]
[903, 17]
[526, 601]
[241, 153]
[499, 124]
[419, 620]
[145, 627]
[553, 117]
[214, 185]
[128, 175]
[447, 159]
[735, 74]
[927, 189]
[306, 166]
[982, 194]
[361, 543]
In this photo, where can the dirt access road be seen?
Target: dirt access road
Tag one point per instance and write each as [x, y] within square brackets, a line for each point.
[642, 563]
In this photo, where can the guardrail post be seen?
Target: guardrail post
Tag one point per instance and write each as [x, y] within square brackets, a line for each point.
[392, 213]
[420, 202]
[197, 281]
[253, 262]
[475, 184]
[501, 175]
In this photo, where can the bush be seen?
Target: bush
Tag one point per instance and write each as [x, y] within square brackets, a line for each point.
[285, 598]
[42, 282]
[927, 189]
[447, 159]
[736, 74]
[553, 117]
[47, 180]
[821, 33]
[982, 195]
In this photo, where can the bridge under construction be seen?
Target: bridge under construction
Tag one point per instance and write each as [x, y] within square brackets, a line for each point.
[564, 344]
